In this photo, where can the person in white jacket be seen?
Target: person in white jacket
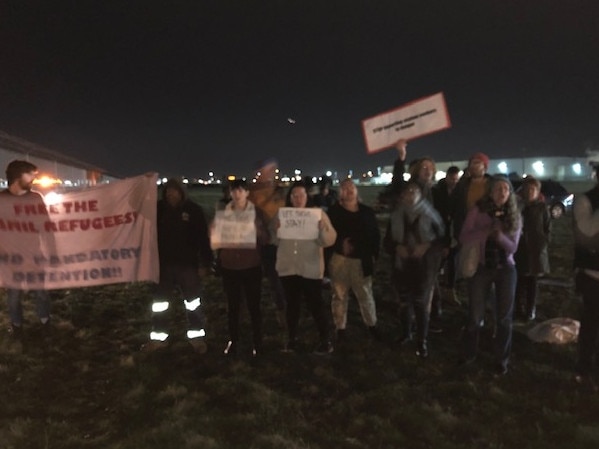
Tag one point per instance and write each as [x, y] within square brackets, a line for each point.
[300, 263]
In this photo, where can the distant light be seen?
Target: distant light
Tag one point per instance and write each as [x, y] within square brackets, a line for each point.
[231, 178]
[406, 176]
[314, 179]
[577, 168]
[502, 167]
[539, 168]
[164, 180]
[185, 181]
[52, 198]
[291, 121]
[329, 173]
[369, 173]
[46, 181]
[297, 171]
[440, 175]
[285, 179]
[211, 174]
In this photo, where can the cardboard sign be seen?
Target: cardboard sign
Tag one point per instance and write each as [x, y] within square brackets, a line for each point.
[298, 223]
[416, 119]
[233, 229]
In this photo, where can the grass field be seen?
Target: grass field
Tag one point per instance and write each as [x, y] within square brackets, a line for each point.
[91, 387]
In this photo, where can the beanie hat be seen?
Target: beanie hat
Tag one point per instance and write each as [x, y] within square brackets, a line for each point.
[501, 178]
[481, 157]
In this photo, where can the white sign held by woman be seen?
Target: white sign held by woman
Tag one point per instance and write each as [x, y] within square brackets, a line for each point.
[298, 223]
[233, 229]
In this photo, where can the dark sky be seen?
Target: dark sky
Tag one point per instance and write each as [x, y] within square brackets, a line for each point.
[184, 87]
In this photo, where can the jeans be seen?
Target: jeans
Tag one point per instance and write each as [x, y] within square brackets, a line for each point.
[15, 306]
[479, 286]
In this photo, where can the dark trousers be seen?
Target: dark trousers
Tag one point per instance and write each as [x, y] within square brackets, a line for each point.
[239, 285]
[296, 288]
[414, 284]
[187, 281]
[527, 289]
[588, 345]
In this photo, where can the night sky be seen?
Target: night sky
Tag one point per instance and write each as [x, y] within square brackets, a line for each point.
[184, 87]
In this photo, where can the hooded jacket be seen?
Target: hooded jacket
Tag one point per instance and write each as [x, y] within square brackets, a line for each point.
[182, 231]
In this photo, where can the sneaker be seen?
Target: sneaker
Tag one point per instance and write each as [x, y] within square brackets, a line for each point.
[324, 348]
[422, 350]
[291, 346]
[500, 370]
[435, 329]
[231, 348]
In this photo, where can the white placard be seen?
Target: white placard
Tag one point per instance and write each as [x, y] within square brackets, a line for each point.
[409, 121]
[298, 223]
[233, 229]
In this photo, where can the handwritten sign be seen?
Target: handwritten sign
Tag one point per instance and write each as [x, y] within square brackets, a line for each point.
[101, 235]
[416, 119]
[298, 223]
[233, 229]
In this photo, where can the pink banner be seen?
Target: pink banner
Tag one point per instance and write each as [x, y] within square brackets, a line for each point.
[101, 235]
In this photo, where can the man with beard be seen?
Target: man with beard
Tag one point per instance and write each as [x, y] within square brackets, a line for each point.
[20, 176]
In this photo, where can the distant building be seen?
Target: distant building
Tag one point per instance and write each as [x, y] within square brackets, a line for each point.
[558, 168]
[54, 168]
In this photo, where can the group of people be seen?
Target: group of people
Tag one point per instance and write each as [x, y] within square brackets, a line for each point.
[429, 227]
[475, 227]
[293, 264]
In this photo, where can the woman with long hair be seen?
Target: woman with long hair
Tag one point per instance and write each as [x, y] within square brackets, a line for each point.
[494, 226]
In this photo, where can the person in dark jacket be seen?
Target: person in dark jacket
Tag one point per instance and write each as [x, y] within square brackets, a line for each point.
[413, 238]
[352, 264]
[184, 256]
[586, 262]
[532, 258]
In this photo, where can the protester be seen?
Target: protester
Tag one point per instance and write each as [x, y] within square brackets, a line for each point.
[472, 186]
[184, 257]
[532, 257]
[352, 264]
[586, 262]
[241, 268]
[413, 239]
[268, 196]
[300, 264]
[326, 196]
[493, 225]
[422, 171]
[20, 176]
[442, 193]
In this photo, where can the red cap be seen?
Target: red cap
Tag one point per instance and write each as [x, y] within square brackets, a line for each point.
[481, 157]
